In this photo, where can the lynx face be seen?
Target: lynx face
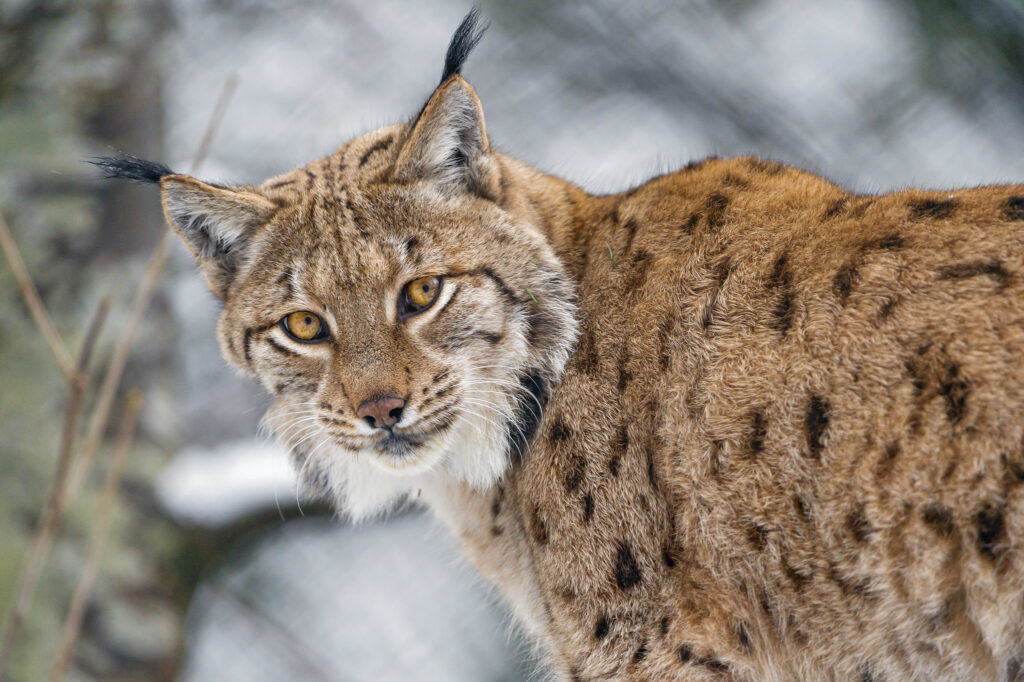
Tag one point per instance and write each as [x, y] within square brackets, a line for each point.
[398, 298]
[405, 333]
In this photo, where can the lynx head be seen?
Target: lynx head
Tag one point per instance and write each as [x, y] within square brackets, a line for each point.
[408, 319]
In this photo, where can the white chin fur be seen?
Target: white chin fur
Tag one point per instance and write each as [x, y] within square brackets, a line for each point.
[366, 484]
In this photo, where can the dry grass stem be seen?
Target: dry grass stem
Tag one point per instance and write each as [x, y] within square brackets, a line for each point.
[72, 470]
[56, 500]
[34, 303]
[98, 538]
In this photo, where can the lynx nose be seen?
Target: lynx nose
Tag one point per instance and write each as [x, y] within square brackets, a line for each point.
[384, 412]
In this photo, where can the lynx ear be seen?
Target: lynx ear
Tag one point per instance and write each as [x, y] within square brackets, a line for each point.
[448, 145]
[216, 223]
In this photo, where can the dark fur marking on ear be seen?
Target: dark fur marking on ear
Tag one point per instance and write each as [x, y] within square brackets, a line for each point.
[130, 168]
[466, 37]
[627, 572]
[932, 208]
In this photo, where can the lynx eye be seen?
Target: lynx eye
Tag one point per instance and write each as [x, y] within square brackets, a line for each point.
[304, 327]
[418, 295]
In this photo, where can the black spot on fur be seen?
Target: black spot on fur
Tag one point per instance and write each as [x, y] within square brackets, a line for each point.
[1014, 468]
[744, 638]
[939, 518]
[1015, 666]
[992, 268]
[641, 652]
[668, 555]
[627, 572]
[690, 224]
[638, 272]
[758, 431]
[816, 423]
[858, 524]
[757, 535]
[602, 627]
[714, 208]
[586, 352]
[866, 675]
[891, 242]
[835, 208]
[466, 37]
[663, 626]
[990, 521]
[380, 145]
[711, 663]
[537, 526]
[798, 579]
[1013, 208]
[130, 168]
[685, 654]
[631, 228]
[932, 208]
[559, 431]
[842, 283]
[576, 472]
[782, 279]
[588, 507]
[887, 309]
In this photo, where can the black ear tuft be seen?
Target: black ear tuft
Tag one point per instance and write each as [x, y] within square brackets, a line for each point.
[466, 37]
[130, 168]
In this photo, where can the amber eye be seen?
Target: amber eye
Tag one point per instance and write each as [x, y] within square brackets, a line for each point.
[304, 326]
[418, 295]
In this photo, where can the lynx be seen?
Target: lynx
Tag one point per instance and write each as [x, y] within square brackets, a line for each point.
[735, 423]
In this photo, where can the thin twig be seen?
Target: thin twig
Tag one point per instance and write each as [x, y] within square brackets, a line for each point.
[108, 389]
[76, 611]
[76, 468]
[34, 303]
[56, 500]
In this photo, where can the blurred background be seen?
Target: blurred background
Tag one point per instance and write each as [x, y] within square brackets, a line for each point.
[211, 569]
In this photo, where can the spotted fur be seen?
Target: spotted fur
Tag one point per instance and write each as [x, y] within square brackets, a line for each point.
[786, 445]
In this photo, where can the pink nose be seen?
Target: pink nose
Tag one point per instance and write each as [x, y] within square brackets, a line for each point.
[384, 412]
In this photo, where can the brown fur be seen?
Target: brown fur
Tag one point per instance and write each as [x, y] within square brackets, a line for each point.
[787, 443]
